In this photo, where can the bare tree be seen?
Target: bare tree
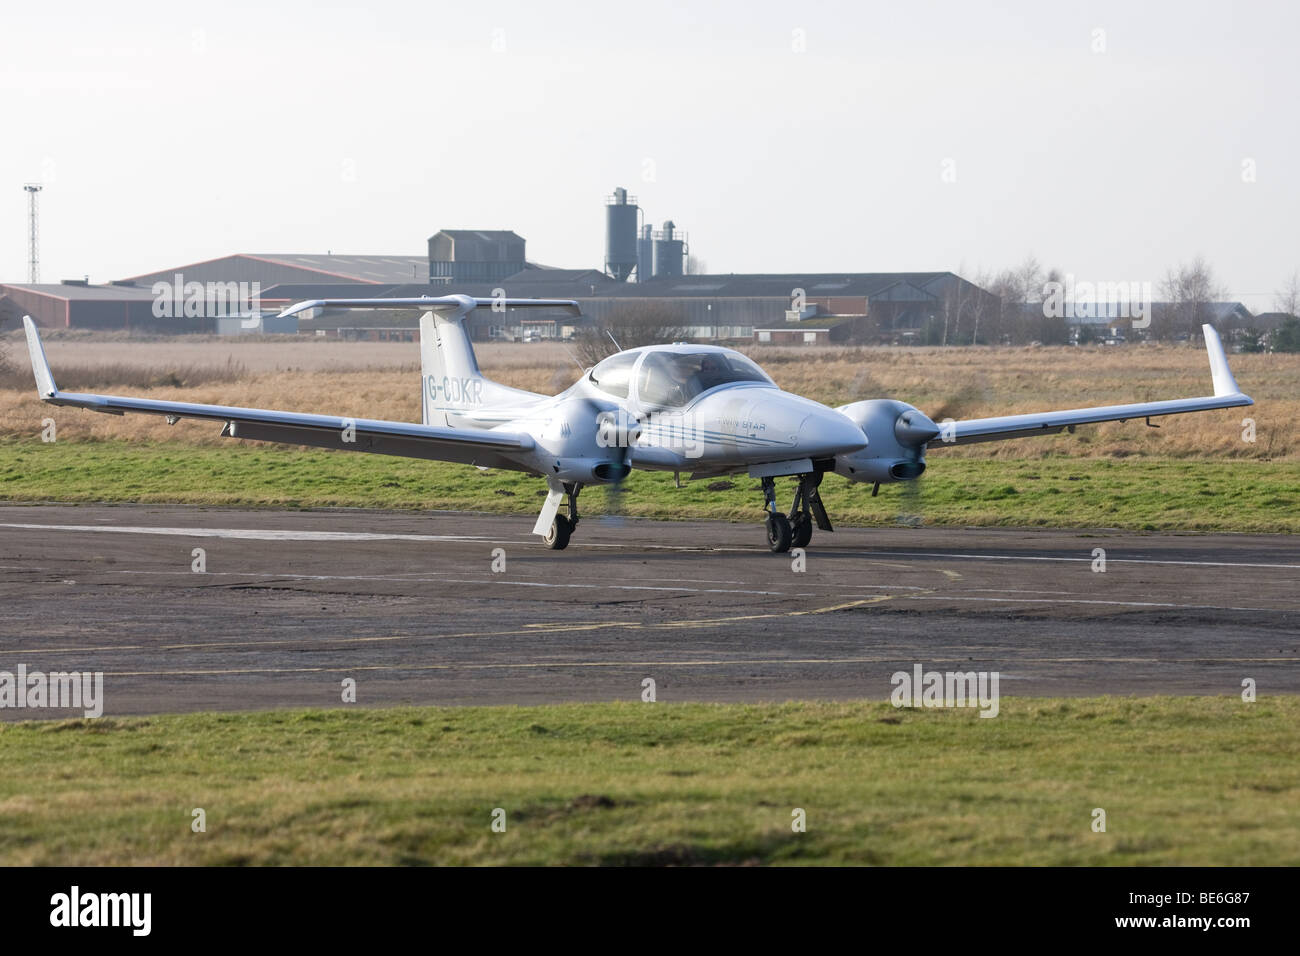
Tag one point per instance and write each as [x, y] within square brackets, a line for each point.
[982, 305]
[1050, 329]
[1287, 298]
[696, 266]
[951, 305]
[1009, 317]
[1188, 290]
[633, 324]
[1030, 278]
[1022, 291]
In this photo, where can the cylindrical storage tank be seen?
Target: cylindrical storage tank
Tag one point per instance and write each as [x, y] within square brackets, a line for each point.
[620, 235]
[669, 252]
[645, 254]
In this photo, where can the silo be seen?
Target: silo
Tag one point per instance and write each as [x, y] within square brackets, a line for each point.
[645, 254]
[620, 234]
[669, 251]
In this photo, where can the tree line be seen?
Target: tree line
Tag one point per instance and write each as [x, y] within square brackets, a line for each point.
[1022, 305]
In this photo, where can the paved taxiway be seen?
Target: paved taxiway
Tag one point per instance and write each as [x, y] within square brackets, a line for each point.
[408, 605]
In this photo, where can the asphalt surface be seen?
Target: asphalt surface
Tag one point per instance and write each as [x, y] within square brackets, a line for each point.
[408, 606]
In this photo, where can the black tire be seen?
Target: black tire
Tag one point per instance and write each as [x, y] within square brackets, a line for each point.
[557, 539]
[778, 533]
[801, 531]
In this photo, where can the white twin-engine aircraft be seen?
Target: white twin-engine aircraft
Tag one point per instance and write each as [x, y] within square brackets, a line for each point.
[681, 407]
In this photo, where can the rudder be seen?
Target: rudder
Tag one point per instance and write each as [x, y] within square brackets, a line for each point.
[450, 379]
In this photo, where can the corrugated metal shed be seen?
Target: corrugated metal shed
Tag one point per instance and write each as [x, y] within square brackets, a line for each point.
[273, 268]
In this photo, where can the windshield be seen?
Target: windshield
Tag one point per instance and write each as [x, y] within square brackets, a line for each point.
[674, 378]
[614, 375]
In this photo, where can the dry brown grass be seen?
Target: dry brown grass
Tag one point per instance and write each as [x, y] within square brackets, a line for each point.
[258, 353]
[380, 380]
[979, 382]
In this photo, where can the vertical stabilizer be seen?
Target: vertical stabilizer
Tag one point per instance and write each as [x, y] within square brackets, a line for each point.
[449, 373]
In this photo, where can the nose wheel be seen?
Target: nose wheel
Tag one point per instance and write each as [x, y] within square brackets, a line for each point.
[795, 530]
[800, 531]
[779, 533]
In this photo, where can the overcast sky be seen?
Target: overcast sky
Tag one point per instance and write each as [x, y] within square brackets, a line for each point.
[782, 137]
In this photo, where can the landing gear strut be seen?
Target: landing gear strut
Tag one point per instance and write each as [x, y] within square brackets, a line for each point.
[553, 527]
[796, 530]
[806, 509]
[778, 526]
[557, 538]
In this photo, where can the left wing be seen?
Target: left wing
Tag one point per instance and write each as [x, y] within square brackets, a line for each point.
[1226, 395]
[472, 446]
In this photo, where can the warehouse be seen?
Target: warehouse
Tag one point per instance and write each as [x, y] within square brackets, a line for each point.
[487, 263]
[76, 303]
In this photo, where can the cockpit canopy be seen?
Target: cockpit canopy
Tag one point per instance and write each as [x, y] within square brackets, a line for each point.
[614, 375]
[674, 378]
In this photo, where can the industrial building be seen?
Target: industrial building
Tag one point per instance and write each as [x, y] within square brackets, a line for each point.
[272, 269]
[459, 256]
[641, 264]
[146, 303]
[75, 303]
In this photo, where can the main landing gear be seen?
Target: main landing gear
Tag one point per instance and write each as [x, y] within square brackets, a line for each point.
[557, 538]
[795, 530]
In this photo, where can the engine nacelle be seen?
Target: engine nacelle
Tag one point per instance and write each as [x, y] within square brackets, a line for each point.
[580, 442]
[896, 435]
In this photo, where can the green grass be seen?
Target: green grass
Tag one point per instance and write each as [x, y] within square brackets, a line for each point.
[1134, 493]
[1206, 781]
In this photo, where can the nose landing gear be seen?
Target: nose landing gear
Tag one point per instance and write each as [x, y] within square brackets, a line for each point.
[795, 530]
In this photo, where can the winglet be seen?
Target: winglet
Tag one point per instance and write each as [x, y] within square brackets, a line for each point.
[45, 386]
[1224, 383]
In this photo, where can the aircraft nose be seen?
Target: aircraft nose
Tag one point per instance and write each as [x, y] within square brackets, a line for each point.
[826, 432]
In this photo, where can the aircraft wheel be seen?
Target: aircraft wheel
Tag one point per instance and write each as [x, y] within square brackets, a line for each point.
[778, 533]
[557, 539]
[801, 532]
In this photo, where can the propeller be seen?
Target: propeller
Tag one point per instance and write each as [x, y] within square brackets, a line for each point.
[913, 429]
[618, 434]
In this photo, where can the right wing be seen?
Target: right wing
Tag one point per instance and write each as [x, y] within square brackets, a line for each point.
[471, 446]
[1226, 395]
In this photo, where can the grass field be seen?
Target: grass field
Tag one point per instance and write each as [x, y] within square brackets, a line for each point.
[1195, 472]
[1133, 493]
[1202, 781]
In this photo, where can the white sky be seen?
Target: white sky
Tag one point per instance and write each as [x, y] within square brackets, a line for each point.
[171, 132]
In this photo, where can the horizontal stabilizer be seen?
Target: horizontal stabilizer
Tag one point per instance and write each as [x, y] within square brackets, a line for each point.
[435, 303]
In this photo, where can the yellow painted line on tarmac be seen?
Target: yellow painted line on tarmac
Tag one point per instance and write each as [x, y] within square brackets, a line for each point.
[535, 628]
[545, 627]
[759, 617]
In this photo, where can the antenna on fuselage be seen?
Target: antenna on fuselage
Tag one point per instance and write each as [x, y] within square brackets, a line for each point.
[568, 351]
[614, 340]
